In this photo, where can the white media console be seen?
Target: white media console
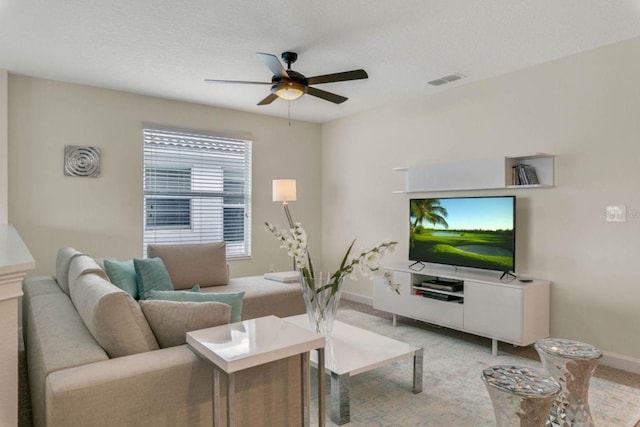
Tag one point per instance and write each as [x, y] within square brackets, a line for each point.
[505, 309]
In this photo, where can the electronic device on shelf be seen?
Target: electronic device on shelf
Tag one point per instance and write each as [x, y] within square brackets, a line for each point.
[440, 296]
[451, 285]
[475, 232]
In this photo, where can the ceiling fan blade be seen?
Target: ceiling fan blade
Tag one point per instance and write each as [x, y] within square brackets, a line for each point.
[269, 99]
[338, 77]
[332, 97]
[274, 64]
[237, 81]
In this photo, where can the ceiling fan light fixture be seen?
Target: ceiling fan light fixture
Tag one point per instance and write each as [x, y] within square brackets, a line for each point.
[289, 90]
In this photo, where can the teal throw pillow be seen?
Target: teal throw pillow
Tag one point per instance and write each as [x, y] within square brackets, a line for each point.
[151, 274]
[123, 275]
[234, 299]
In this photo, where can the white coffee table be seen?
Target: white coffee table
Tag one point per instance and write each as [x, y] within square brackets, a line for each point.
[350, 351]
[237, 346]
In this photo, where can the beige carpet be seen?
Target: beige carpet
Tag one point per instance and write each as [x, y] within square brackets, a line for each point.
[604, 372]
[453, 392]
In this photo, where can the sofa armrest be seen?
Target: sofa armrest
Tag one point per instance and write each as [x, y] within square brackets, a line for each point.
[163, 387]
[169, 387]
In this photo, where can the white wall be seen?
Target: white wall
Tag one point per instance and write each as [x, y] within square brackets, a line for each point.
[103, 216]
[585, 110]
[4, 154]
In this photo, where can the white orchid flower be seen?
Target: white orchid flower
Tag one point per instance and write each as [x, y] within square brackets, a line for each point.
[295, 241]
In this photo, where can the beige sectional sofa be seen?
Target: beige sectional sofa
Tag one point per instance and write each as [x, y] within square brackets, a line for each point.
[93, 359]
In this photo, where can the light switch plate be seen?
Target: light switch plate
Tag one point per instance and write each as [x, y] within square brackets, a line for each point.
[616, 213]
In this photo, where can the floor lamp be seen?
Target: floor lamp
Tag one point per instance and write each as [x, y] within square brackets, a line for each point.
[284, 190]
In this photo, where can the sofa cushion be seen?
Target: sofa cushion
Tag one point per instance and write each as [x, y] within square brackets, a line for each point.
[63, 259]
[123, 275]
[32, 287]
[171, 320]
[234, 299]
[263, 297]
[113, 316]
[151, 274]
[83, 264]
[204, 264]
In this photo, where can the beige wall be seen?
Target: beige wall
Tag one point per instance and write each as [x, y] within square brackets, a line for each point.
[584, 109]
[4, 154]
[103, 216]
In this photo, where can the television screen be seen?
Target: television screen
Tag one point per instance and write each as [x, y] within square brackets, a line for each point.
[476, 232]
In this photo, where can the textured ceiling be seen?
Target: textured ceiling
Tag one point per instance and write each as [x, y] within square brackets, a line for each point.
[166, 48]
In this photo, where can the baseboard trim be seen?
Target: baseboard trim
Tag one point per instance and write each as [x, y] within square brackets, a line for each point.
[357, 298]
[612, 360]
[619, 361]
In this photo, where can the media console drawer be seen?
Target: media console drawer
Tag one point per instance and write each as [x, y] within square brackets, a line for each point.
[444, 313]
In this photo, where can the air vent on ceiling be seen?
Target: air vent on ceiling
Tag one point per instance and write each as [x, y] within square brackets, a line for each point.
[446, 79]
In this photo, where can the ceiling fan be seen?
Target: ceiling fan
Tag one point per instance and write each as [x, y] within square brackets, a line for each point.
[289, 85]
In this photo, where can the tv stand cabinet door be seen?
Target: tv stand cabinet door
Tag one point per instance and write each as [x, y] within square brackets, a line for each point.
[493, 311]
[386, 299]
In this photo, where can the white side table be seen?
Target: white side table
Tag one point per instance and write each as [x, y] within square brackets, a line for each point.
[237, 346]
[571, 363]
[520, 397]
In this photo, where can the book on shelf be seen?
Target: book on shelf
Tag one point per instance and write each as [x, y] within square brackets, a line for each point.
[523, 174]
[532, 176]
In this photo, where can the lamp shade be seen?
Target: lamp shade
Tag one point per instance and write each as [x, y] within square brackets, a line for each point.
[284, 190]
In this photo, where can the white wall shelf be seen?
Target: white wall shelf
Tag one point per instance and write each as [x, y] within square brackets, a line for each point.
[478, 174]
[501, 309]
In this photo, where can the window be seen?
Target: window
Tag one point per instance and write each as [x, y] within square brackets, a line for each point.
[197, 188]
[167, 211]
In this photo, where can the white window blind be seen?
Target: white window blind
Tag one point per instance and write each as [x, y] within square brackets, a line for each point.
[197, 188]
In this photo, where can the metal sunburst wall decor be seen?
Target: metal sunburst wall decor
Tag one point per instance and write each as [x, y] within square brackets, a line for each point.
[81, 161]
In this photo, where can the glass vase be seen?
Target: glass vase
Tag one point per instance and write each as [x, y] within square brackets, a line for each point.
[321, 297]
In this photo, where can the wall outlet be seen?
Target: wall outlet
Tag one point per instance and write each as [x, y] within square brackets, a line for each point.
[616, 213]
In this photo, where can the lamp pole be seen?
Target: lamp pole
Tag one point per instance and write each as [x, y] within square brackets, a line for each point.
[285, 205]
[284, 190]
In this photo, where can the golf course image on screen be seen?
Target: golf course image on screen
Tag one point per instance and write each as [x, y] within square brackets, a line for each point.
[475, 232]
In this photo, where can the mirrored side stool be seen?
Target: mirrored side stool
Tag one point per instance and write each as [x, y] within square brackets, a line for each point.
[571, 363]
[520, 397]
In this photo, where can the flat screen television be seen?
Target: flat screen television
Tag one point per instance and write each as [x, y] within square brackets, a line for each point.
[475, 232]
